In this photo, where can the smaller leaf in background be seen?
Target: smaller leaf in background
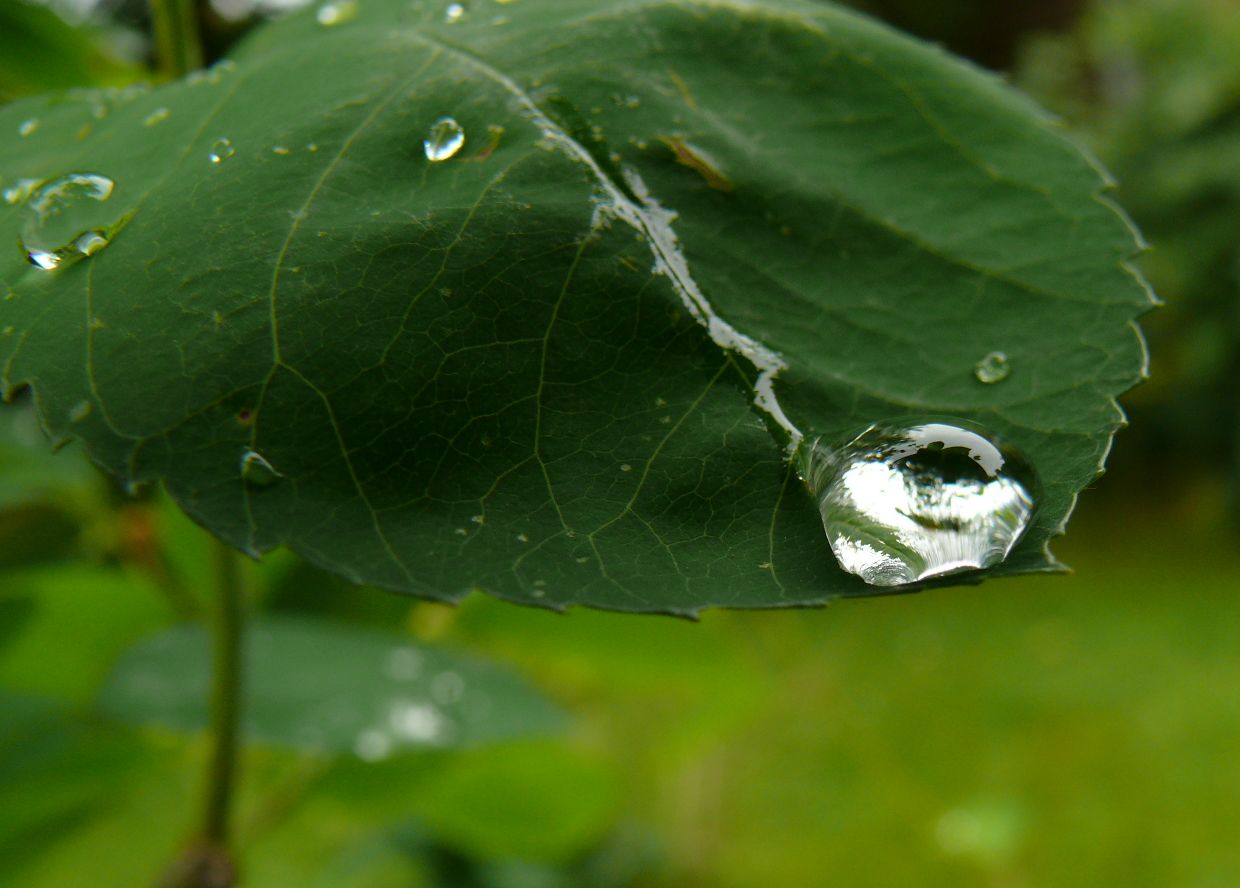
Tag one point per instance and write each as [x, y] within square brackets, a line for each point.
[330, 688]
[83, 617]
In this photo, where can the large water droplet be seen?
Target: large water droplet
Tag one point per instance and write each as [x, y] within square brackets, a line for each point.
[995, 367]
[64, 220]
[444, 140]
[221, 150]
[337, 12]
[257, 471]
[905, 504]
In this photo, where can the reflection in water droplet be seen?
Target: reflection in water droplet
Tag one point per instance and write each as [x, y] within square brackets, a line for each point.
[20, 190]
[221, 150]
[337, 12]
[905, 504]
[257, 471]
[995, 367]
[63, 219]
[28, 127]
[159, 115]
[444, 140]
[454, 13]
[91, 242]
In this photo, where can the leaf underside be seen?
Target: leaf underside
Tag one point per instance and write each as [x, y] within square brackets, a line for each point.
[496, 371]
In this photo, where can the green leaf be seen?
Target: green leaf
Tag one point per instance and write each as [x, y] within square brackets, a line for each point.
[56, 772]
[528, 801]
[546, 367]
[318, 686]
[77, 620]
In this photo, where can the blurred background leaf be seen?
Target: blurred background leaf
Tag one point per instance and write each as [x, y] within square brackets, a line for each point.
[41, 51]
[320, 686]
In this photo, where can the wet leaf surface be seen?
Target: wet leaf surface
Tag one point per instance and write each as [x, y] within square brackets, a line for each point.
[564, 362]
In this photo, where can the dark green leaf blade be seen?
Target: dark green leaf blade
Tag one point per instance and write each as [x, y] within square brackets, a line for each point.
[318, 686]
[504, 370]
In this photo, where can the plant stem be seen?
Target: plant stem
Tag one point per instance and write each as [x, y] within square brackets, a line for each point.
[208, 861]
[178, 48]
[225, 694]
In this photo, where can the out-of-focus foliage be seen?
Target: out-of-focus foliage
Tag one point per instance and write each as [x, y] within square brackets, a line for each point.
[1154, 86]
[40, 51]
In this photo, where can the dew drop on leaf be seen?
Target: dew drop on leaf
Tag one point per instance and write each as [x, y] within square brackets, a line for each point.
[454, 13]
[80, 411]
[63, 220]
[444, 140]
[28, 127]
[221, 150]
[993, 368]
[337, 12]
[907, 503]
[158, 116]
[257, 471]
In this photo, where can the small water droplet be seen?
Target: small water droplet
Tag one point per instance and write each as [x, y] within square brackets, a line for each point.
[522, 538]
[993, 368]
[158, 116]
[28, 127]
[904, 504]
[221, 150]
[445, 139]
[9, 330]
[337, 12]
[64, 220]
[454, 13]
[257, 471]
[625, 467]
[80, 411]
[280, 150]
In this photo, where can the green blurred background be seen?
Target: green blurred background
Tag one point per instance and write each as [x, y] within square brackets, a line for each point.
[1079, 730]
